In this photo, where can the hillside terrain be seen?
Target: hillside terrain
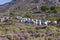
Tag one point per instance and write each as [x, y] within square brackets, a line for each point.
[30, 6]
[20, 31]
[42, 23]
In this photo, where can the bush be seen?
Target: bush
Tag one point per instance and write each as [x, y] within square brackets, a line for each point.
[44, 8]
[54, 9]
[28, 15]
[13, 13]
[10, 37]
[52, 18]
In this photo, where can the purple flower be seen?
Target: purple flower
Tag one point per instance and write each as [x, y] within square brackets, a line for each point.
[26, 35]
[58, 38]
[48, 32]
[35, 35]
[22, 38]
[3, 38]
[40, 26]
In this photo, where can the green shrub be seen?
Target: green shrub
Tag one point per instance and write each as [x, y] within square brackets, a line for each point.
[52, 18]
[10, 37]
[13, 13]
[28, 15]
[54, 9]
[44, 8]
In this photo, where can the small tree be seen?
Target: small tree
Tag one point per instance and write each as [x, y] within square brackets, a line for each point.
[28, 15]
[44, 8]
[54, 9]
[13, 13]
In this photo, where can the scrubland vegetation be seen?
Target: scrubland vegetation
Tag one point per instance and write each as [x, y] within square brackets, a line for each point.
[28, 32]
[30, 9]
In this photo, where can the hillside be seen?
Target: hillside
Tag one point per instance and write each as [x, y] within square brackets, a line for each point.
[30, 6]
[11, 31]
[30, 20]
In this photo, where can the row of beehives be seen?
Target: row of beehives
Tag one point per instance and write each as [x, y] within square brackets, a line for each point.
[35, 21]
[3, 18]
[29, 21]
